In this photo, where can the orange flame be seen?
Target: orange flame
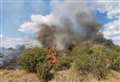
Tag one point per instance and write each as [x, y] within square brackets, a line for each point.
[52, 53]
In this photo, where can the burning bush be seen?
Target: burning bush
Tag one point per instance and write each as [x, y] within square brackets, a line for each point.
[36, 60]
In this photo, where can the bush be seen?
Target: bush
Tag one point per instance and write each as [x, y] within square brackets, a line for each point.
[30, 58]
[36, 60]
[87, 57]
[44, 72]
[92, 58]
[63, 61]
[115, 59]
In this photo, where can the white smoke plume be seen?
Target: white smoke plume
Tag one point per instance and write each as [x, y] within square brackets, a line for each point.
[68, 23]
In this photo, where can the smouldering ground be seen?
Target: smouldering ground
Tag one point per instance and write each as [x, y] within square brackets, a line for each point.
[62, 76]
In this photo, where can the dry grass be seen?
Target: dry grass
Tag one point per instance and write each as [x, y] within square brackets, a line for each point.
[72, 76]
[62, 76]
[17, 76]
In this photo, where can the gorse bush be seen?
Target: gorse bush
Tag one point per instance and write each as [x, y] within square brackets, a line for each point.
[30, 58]
[44, 72]
[115, 59]
[87, 58]
[63, 61]
[96, 59]
[36, 60]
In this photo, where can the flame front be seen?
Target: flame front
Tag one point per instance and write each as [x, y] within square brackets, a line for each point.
[52, 55]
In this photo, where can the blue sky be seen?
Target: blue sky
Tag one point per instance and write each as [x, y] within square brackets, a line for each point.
[15, 12]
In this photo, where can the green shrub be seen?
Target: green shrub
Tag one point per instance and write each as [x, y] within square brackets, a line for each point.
[36, 60]
[115, 59]
[92, 58]
[63, 61]
[31, 57]
[87, 57]
[44, 72]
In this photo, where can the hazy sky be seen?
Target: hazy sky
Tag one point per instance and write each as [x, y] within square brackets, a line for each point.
[13, 13]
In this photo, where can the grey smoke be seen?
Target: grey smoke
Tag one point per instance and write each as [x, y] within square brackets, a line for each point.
[10, 54]
[72, 22]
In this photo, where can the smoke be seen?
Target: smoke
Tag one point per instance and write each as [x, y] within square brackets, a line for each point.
[73, 23]
[10, 54]
[68, 23]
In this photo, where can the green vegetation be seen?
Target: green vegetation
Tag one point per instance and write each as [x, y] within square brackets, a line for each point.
[64, 61]
[115, 58]
[93, 58]
[31, 58]
[36, 60]
[96, 59]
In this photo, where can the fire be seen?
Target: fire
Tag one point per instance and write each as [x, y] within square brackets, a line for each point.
[52, 55]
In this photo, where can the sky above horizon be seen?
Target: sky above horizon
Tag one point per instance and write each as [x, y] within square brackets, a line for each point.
[13, 13]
